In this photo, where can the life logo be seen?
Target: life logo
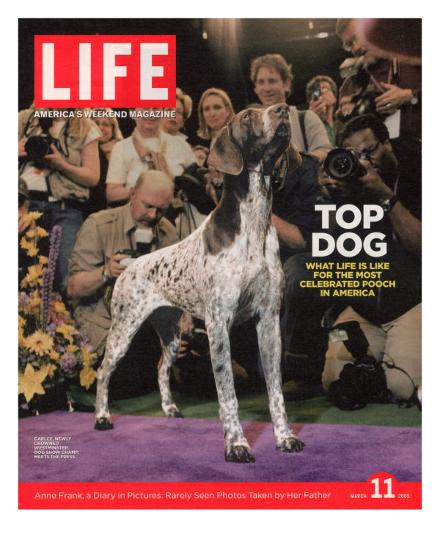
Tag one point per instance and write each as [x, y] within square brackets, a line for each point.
[105, 71]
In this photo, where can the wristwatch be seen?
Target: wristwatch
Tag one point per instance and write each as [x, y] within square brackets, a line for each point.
[414, 98]
[105, 274]
[388, 204]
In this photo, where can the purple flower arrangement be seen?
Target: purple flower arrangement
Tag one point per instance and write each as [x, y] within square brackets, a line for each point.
[49, 273]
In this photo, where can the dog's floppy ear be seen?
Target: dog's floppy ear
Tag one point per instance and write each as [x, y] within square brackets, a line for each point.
[293, 157]
[225, 156]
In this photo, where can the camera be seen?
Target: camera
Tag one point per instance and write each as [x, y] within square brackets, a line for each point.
[366, 104]
[316, 93]
[132, 255]
[37, 147]
[192, 181]
[360, 383]
[344, 164]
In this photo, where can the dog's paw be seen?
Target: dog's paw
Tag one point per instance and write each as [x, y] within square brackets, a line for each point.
[291, 445]
[172, 412]
[239, 453]
[103, 424]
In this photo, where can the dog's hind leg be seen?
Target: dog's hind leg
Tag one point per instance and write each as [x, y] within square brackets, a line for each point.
[237, 448]
[118, 342]
[269, 342]
[129, 311]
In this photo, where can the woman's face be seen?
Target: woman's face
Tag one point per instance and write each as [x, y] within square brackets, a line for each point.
[106, 128]
[148, 125]
[215, 112]
[173, 125]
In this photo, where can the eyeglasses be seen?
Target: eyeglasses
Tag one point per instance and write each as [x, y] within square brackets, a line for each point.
[367, 153]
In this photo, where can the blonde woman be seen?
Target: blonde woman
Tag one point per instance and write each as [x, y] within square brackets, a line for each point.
[60, 177]
[215, 111]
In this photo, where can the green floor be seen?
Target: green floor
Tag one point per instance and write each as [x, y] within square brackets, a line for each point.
[254, 407]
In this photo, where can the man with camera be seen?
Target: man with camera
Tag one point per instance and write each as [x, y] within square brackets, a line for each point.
[106, 243]
[369, 173]
[386, 87]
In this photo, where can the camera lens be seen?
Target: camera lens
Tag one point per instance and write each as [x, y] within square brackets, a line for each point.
[36, 147]
[342, 163]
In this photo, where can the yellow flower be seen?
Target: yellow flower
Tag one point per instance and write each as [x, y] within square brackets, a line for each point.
[59, 307]
[67, 331]
[32, 251]
[30, 382]
[39, 342]
[86, 377]
[71, 348]
[51, 369]
[88, 357]
[31, 233]
[32, 216]
[54, 355]
[43, 260]
[33, 276]
[41, 232]
[24, 243]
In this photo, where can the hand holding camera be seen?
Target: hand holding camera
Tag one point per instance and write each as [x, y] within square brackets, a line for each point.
[115, 265]
[348, 177]
[392, 99]
[55, 159]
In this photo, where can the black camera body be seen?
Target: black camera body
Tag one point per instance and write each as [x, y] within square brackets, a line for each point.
[129, 252]
[360, 383]
[344, 164]
[37, 147]
[191, 181]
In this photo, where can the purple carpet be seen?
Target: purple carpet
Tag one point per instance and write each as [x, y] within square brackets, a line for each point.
[141, 448]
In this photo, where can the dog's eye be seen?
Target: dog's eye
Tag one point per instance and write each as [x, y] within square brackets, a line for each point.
[246, 116]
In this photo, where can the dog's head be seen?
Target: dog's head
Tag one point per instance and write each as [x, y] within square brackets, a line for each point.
[253, 137]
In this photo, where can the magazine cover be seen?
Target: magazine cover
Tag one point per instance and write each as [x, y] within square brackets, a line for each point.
[219, 264]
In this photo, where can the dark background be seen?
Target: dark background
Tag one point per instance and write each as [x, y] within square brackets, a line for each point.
[220, 59]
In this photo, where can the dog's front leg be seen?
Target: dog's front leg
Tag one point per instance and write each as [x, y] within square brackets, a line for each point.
[269, 342]
[237, 448]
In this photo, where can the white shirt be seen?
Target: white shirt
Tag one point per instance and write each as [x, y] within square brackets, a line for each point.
[125, 165]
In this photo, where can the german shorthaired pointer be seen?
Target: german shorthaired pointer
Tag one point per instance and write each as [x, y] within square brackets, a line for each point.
[226, 272]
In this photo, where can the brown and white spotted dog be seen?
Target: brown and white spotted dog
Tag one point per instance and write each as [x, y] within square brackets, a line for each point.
[226, 272]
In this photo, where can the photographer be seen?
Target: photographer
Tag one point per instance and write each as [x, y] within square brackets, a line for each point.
[391, 320]
[59, 162]
[386, 87]
[321, 95]
[104, 245]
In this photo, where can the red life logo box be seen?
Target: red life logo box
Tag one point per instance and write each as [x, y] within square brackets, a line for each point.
[105, 71]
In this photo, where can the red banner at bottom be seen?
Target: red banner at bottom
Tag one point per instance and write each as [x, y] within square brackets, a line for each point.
[381, 491]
